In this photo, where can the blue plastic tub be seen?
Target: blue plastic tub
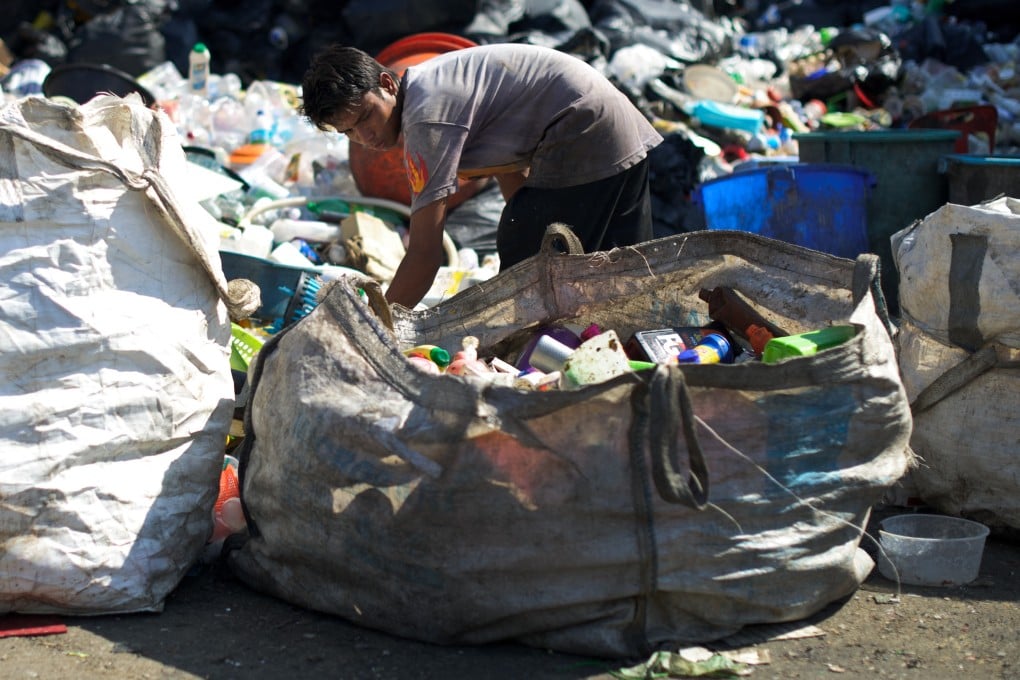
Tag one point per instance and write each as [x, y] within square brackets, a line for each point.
[821, 206]
[280, 285]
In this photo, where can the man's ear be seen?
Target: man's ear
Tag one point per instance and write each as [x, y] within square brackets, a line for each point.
[388, 83]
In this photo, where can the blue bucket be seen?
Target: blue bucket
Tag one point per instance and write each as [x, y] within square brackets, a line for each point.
[821, 206]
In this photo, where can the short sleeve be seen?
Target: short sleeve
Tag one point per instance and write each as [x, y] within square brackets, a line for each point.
[432, 153]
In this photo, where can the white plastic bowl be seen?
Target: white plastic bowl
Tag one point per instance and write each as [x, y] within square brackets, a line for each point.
[931, 550]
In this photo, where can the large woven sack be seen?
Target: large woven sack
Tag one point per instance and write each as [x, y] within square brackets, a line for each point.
[959, 347]
[114, 350]
[663, 506]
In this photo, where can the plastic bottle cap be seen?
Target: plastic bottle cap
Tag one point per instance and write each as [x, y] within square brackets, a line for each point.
[199, 47]
[440, 356]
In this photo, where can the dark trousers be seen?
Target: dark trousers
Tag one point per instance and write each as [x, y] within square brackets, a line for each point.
[612, 212]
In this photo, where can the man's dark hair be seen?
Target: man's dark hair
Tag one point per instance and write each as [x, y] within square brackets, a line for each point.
[337, 78]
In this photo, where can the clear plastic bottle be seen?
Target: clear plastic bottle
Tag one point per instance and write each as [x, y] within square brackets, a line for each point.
[229, 123]
[198, 70]
[285, 229]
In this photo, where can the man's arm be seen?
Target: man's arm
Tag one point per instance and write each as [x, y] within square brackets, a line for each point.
[510, 182]
[424, 256]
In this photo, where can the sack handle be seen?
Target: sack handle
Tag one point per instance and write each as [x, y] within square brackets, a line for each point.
[559, 239]
[957, 377]
[659, 411]
[867, 276]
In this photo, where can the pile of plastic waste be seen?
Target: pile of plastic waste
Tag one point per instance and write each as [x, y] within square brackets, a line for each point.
[726, 82]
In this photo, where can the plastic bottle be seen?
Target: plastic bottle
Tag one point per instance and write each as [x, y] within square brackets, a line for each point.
[266, 173]
[164, 81]
[262, 131]
[424, 365]
[727, 307]
[198, 70]
[466, 361]
[288, 253]
[437, 355]
[228, 513]
[285, 229]
[228, 122]
[806, 344]
[255, 240]
[714, 348]
[537, 381]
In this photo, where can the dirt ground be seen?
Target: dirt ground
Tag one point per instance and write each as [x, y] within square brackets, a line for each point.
[213, 626]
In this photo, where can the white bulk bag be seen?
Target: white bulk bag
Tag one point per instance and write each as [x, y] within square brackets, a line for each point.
[117, 394]
[959, 346]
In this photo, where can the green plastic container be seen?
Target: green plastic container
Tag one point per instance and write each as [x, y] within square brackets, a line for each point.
[974, 179]
[908, 181]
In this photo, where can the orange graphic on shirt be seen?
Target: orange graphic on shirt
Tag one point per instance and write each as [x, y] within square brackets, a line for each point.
[417, 173]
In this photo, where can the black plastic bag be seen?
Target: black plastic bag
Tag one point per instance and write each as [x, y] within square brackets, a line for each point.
[674, 28]
[127, 38]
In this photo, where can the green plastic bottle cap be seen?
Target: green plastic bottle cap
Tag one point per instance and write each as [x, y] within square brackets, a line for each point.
[200, 47]
[440, 357]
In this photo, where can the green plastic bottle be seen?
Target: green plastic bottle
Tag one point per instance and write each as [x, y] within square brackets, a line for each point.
[806, 344]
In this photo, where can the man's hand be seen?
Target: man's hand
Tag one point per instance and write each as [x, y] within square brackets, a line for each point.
[424, 256]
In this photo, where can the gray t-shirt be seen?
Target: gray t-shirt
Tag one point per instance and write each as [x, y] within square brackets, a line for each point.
[485, 110]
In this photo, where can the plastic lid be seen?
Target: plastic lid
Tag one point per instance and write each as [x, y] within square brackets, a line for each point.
[881, 136]
[709, 82]
[199, 47]
[971, 159]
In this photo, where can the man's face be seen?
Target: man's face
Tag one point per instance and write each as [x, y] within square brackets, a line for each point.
[375, 121]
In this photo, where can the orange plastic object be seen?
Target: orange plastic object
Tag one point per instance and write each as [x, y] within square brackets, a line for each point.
[416, 48]
[967, 119]
[229, 487]
[380, 174]
[246, 154]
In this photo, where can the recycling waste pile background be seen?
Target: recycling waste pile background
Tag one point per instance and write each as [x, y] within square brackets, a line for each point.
[728, 84]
